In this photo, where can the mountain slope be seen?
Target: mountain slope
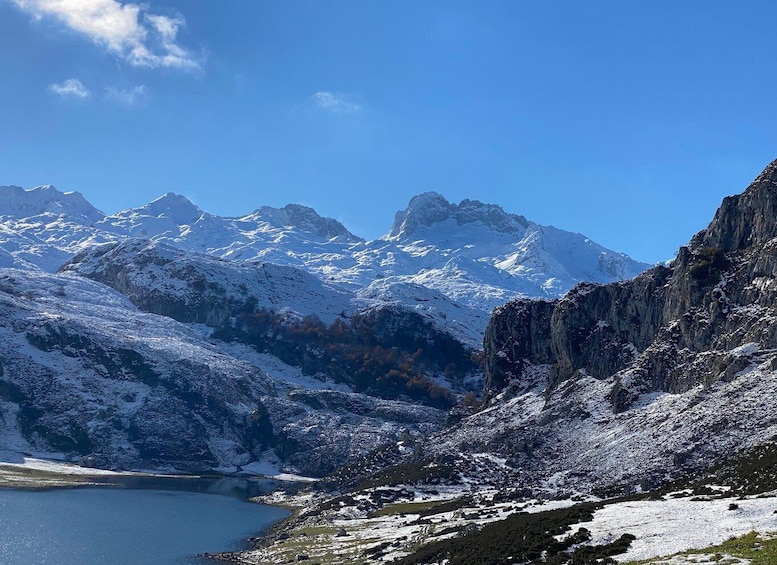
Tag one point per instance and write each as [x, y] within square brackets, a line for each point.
[634, 383]
[87, 376]
[475, 254]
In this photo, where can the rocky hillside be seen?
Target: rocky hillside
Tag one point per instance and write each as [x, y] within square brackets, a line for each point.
[86, 375]
[384, 348]
[634, 383]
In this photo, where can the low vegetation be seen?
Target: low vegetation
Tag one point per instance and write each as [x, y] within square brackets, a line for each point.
[708, 264]
[388, 353]
[523, 538]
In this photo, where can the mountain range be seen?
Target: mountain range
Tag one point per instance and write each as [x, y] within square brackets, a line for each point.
[475, 253]
[632, 395]
[468, 355]
[87, 373]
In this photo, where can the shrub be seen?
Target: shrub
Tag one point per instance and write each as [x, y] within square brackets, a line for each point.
[386, 352]
[708, 264]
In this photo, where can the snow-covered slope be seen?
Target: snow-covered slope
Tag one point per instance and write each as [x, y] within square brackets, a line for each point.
[86, 375]
[20, 203]
[193, 287]
[43, 227]
[475, 254]
[638, 382]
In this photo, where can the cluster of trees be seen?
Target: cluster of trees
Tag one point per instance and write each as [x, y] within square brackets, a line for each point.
[388, 352]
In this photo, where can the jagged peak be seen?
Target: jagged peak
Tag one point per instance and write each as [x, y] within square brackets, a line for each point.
[429, 208]
[19, 202]
[303, 218]
[424, 209]
[746, 219]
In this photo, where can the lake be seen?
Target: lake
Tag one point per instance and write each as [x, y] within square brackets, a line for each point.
[148, 522]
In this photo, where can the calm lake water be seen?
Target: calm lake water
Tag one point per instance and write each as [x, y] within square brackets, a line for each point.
[129, 526]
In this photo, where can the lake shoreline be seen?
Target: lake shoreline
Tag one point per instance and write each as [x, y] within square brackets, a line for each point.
[33, 474]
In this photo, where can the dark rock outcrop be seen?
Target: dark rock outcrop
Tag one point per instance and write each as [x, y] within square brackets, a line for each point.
[669, 329]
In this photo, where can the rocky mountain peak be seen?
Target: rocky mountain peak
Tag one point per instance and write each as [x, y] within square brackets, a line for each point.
[423, 209]
[668, 329]
[430, 208]
[174, 207]
[17, 202]
[303, 218]
[745, 219]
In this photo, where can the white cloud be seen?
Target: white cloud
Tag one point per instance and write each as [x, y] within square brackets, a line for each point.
[334, 102]
[125, 29]
[126, 96]
[70, 87]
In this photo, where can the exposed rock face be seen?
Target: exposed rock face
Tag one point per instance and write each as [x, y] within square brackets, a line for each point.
[431, 208]
[672, 328]
[638, 382]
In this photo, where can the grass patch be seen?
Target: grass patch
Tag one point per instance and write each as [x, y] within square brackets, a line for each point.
[12, 476]
[760, 551]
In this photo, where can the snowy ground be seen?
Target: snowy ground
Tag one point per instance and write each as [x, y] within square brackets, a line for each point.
[49, 466]
[673, 525]
[663, 527]
[20, 471]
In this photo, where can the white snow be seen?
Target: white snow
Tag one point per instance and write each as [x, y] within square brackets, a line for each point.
[673, 525]
[455, 262]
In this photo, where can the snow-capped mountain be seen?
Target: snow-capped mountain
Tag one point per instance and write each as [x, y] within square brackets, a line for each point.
[389, 345]
[475, 254]
[47, 201]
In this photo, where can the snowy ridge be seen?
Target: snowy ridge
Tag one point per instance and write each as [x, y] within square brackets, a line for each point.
[475, 254]
[46, 200]
[206, 289]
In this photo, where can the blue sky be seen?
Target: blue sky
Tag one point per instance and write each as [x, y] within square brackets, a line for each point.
[625, 121]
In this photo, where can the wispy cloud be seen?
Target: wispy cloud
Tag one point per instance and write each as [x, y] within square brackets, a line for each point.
[126, 96]
[334, 102]
[128, 30]
[70, 87]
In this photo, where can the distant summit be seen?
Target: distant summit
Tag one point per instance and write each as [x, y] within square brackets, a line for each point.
[430, 208]
[20, 203]
[302, 218]
[173, 206]
[473, 255]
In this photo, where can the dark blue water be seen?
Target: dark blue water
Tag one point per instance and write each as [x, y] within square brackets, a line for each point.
[120, 526]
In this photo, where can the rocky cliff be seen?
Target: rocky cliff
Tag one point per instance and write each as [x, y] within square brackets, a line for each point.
[637, 382]
[669, 329]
